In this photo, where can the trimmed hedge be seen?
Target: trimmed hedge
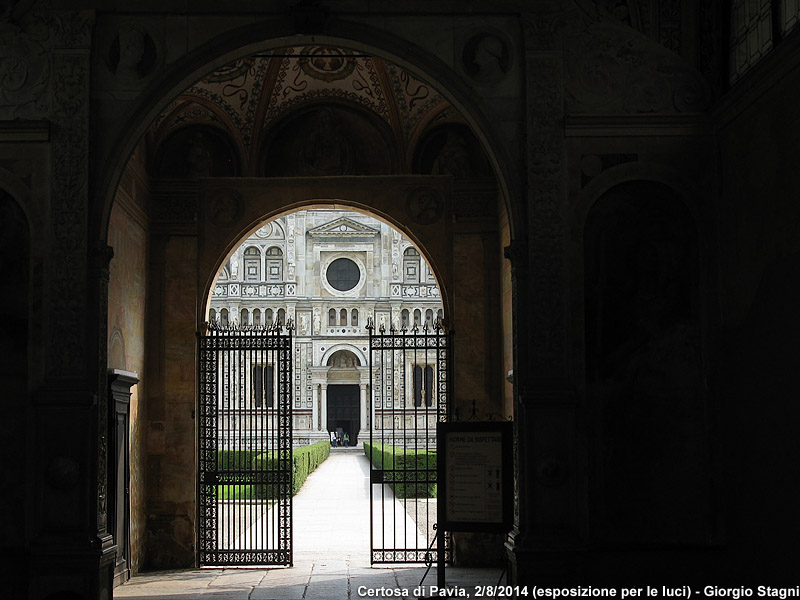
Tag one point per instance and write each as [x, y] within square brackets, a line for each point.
[304, 460]
[392, 459]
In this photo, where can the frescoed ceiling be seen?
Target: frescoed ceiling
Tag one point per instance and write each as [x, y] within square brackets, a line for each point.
[253, 94]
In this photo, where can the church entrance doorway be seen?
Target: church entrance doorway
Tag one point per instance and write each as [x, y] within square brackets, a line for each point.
[344, 411]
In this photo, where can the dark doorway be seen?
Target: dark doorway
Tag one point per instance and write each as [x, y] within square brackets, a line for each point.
[344, 411]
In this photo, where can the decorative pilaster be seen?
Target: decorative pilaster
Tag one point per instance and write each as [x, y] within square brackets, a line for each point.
[547, 523]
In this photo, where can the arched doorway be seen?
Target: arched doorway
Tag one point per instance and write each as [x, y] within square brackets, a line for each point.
[198, 212]
[344, 401]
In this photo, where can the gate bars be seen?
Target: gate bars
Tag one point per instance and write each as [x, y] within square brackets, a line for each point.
[245, 445]
[411, 380]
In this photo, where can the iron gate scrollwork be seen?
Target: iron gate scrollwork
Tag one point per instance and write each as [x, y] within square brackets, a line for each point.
[410, 374]
[245, 445]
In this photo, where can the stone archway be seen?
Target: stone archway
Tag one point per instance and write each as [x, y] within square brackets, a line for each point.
[198, 222]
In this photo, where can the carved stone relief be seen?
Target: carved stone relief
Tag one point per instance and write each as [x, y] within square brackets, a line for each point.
[486, 57]
[610, 69]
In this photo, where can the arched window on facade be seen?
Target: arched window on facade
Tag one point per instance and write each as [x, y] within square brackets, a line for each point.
[281, 316]
[417, 318]
[274, 264]
[439, 315]
[332, 317]
[429, 318]
[354, 318]
[263, 385]
[343, 317]
[268, 317]
[212, 315]
[252, 264]
[423, 385]
[411, 264]
[223, 316]
[404, 318]
[256, 317]
[244, 317]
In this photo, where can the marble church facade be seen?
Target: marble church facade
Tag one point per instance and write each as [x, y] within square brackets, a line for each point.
[286, 271]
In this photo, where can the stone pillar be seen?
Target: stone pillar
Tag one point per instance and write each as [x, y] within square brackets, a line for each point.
[364, 407]
[550, 516]
[316, 423]
[324, 407]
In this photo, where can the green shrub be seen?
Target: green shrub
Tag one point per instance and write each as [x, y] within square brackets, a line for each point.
[304, 460]
[401, 467]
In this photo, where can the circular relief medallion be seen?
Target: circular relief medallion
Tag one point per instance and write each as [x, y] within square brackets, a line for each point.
[225, 207]
[486, 57]
[424, 206]
[326, 64]
[343, 274]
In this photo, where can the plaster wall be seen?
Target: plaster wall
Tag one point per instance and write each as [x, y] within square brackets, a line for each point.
[127, 295]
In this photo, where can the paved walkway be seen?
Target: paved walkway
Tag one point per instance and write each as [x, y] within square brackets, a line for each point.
[331, 550]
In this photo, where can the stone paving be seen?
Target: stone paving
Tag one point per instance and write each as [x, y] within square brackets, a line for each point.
[331, 551]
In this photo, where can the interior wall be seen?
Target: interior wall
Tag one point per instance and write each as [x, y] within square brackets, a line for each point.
[506, 309]
[14, 298]
[760, 280]
[127, 295]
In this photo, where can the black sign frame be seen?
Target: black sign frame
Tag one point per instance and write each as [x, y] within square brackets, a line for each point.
[478, 430]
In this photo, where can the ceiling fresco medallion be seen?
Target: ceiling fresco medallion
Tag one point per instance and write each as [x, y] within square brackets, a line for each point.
[325, 63]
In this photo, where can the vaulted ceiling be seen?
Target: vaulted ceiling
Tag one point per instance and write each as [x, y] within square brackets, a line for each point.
[252, 98]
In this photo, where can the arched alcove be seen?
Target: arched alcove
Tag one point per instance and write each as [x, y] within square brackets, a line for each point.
[645, 367]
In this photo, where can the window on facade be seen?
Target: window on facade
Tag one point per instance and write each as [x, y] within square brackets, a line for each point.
[212, 315]
[223, 316]
[429, 318]
[268, 317]
[252, 264]
[354, 318]
[411, 265]
[404, 318]
[281, 316]
[263, 385]
[423, 385]
[332, 317]
[417, 318]
[439, 315]
[244, 317]
[343, 274]
[343, 317]
[274, 264]
[256, 317]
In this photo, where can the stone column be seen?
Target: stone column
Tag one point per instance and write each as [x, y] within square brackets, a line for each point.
[324, 406]
[364, 407]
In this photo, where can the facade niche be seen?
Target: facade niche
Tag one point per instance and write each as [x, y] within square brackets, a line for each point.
[196, 151]
[330, 139]
[454, 150]
[644, 368]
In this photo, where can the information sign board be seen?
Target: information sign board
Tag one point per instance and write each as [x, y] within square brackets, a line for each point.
[475, 476]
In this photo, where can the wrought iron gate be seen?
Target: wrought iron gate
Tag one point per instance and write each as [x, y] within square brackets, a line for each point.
[411, 382]
[245, 445]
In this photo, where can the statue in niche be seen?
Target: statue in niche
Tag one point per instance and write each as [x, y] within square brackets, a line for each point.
[304, 324]
[316, 324]
[327, 151]
[198, 157]
[235, 267]
[453, 158]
